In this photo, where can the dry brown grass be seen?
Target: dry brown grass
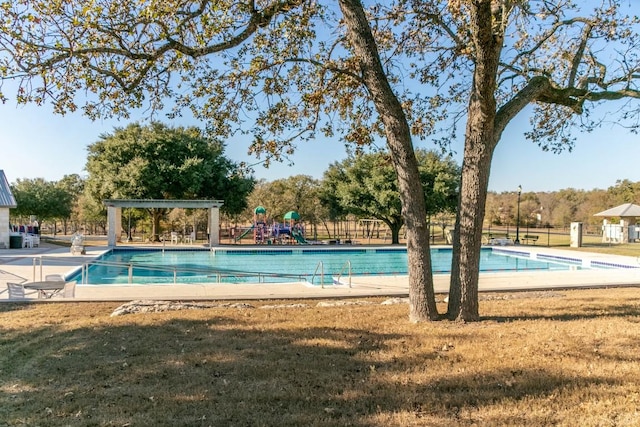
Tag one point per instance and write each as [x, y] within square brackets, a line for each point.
[565, 358]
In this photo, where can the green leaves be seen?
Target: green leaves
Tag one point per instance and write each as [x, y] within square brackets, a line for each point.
[160, 162]
[366, 186]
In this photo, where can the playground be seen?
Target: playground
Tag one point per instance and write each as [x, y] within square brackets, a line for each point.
[265, 231]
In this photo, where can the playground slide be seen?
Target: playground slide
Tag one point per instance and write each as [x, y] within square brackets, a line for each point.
[299, 237]
[247, 231]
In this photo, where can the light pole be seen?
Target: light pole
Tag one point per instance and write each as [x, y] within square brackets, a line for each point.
[517, 242]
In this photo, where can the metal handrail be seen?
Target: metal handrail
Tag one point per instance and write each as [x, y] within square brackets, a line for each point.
[321, 267]
[219, 274]
[346, 264]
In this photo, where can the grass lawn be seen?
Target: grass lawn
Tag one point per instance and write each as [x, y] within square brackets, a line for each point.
[564, 358]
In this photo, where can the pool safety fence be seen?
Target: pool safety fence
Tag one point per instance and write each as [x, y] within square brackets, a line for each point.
[179, 274]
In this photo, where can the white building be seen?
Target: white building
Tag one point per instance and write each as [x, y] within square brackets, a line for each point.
[7, 201]
[627, 230]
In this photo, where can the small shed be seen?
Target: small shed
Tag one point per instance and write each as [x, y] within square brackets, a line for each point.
[7, 201]
[627, 230]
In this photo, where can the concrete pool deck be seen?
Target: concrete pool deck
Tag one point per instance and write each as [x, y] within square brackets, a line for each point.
[17, 265]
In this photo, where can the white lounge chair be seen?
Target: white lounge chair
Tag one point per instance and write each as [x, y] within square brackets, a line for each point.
[174, 237]
[16, 291]
[191, 238]
[27, 241]
[69, 290]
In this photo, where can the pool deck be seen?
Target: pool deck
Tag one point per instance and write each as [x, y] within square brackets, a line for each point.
[17, 265]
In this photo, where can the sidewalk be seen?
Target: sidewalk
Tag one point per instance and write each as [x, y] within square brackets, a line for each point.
[18, 265]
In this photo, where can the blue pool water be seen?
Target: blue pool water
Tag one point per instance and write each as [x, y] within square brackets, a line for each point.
[281, 265]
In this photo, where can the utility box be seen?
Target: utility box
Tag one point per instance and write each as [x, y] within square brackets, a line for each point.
[575, 235]
[15, 241]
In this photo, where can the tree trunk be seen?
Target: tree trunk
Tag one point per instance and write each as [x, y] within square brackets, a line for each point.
[480, 142]
[156, 215]
[395, 232]
[422, 304]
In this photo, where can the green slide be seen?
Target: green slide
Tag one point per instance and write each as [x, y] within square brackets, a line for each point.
[247, 231]
[299, 237]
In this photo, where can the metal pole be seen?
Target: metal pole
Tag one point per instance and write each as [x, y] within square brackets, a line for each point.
[517, 242]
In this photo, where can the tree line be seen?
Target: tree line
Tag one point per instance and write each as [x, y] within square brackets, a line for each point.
[558, 209]
[157, 161]
[161, 162]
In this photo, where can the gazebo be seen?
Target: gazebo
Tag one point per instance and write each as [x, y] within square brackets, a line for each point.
[624, 232]
[114, 214]
[7, 201]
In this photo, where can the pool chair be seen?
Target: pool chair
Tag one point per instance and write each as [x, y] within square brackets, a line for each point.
[54, 278]
[191, 238]
[27, 241]
[69, 290]
[16, 291]
[174, 237]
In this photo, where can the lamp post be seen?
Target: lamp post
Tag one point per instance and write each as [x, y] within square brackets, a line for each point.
[517, 242]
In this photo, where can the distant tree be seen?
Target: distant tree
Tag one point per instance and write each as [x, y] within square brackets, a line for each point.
[529, 208]
[74, 185]
[93, 213]
[160, 162]
[297, 193]
[594, 201]
[366, 186]
[327, 197]
[569, 200]
[624, 191]
[43, 199]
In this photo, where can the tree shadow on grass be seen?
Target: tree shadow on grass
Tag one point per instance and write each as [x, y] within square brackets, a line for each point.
[568, 314]
[233, 372]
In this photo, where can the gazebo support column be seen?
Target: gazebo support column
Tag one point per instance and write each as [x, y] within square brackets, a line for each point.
[4, 228]
[214, 226]
[114, 225]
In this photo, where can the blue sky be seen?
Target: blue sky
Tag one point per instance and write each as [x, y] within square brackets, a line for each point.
[38, 144]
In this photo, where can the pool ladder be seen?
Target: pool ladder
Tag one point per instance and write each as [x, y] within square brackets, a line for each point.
[336, 279]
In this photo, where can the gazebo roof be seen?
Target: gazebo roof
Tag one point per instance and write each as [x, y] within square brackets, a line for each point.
[6, 196]
[163, 203]
[625, 210]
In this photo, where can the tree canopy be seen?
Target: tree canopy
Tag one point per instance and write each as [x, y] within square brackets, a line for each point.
[161, 162]
[366, 186]
[43, 199]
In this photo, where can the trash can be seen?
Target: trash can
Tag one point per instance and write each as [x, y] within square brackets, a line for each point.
[15, 242]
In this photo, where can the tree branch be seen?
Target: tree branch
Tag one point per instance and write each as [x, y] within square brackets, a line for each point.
[577, 59]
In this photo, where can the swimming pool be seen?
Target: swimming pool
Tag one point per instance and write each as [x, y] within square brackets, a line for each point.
[145, 266]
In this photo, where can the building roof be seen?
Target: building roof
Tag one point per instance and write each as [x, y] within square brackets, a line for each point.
[6, 196]
[626, 210]
[162, 203]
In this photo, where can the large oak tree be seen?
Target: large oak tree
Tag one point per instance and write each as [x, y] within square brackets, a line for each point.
[162, 162]
[365, 186]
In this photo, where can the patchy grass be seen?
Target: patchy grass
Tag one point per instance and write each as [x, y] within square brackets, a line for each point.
[557, 358]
